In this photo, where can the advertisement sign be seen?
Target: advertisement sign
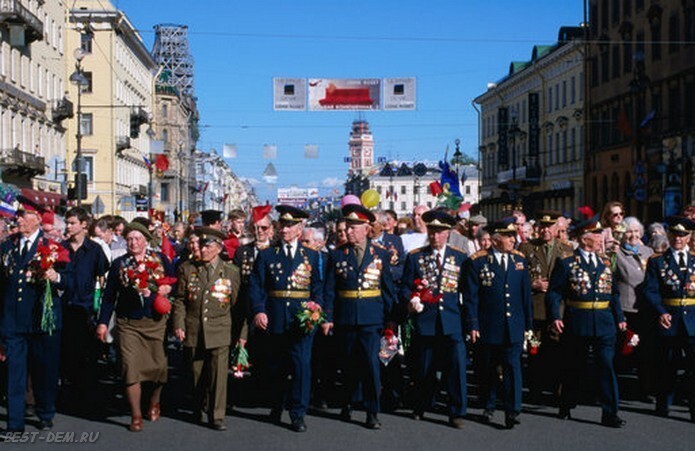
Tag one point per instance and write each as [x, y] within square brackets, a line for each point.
[502, 124]
[327, 94]
[399, 94]
[533, 124]
[297, 197]
[289, 94]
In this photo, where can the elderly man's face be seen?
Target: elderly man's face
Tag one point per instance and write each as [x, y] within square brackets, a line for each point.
[209, 250]
[28, 222]
[263, 230]
[357, 233]
[417, 218]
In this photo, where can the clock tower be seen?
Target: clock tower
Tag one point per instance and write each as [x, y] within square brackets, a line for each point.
[361, 148]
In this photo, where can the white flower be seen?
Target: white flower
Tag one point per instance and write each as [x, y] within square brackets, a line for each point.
[416, 304]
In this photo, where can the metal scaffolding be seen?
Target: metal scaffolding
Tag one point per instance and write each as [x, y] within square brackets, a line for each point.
[171, 54]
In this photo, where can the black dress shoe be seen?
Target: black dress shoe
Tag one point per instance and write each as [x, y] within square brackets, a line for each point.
[372, 421]
[487, 416]
[218, 425]
[346, 413]
[612, 421]
[46, 425]
[456, 422]
[298, 425]
[275, 415]
[511, 420]
[564, 413]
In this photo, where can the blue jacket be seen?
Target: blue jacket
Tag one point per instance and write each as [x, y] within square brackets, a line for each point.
[21, 301]
[394, 246]
[574, 280]
[88, 262]
[664, 280]
[449, 282]
[344, 275]
[273, 272]
[498, 302]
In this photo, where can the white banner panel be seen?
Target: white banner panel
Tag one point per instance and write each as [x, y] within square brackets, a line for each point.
[327, 94]
[229, 151]
[399, 94]
[289, 94]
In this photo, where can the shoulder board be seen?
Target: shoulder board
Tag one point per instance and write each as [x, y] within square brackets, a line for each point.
[520, 254]
[656, 255]
[416, 250]
[378, 245]
[479, 254]
[458, 249]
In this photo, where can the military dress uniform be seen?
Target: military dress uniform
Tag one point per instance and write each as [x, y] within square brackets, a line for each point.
[500, 307]
[279, 284]
[584, 282]
[359, 299]
[438, 327]
[669, 287]
[204, 307]
[26, 344]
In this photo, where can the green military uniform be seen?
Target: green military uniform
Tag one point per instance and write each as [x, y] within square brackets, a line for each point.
[206, 308]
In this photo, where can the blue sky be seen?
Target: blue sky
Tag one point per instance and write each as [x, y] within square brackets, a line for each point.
[453, 48]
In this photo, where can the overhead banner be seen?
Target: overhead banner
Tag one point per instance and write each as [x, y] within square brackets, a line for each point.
[229, 151]
[327, 94]
[289, 94]
[399, 94]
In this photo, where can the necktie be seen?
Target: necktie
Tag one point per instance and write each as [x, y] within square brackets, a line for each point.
[681, 261]
[25, 249]
[438, 258]
[592, 262]
[289, 252]
[359, 253]
[504, 261]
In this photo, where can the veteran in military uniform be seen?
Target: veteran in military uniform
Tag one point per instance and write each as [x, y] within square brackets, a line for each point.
[584, 281]
[499, 311]
[205, 319]
[25, 340]
[669, 288]
[285, 276]
[431, 292]
[359, 299]
[541, 255]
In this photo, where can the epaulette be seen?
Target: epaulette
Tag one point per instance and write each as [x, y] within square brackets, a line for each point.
[379, 245]
[456, 248]
[656, 255]
[520, 254]
[416, 250]
[479, 254]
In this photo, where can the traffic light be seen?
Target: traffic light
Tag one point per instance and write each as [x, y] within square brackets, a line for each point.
[83, 187]
[134, 125]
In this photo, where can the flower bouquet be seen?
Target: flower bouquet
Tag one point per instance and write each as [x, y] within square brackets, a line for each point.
[309, 316]
[390, 344]
[531, 342]
[422, 295]
[628, 342]
[48, 254]
[239, 362]
[143, 275]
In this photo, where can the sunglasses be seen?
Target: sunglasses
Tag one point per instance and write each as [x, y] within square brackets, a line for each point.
[617, 214]
[264, 228]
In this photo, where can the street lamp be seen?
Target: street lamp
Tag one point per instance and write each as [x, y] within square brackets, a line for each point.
[457, 160]
[78, 78]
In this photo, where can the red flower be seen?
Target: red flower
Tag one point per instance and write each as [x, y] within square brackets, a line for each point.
[388, 334]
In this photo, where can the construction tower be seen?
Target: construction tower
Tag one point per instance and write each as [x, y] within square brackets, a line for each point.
[171, 54]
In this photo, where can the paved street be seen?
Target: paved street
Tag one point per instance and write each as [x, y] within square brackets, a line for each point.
[249, 427]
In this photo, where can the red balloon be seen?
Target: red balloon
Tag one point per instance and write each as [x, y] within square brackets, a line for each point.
[161, 305]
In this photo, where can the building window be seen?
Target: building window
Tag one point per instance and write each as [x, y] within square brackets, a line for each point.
[165, 136]
[378, 189]
[164, 193]
[86, 42]
[87, 89]
[403, 206]
[604, 67]
[573, 144]
[656, 42]
[674, 33]
[573, 88]
[627, 8]
[87, 166]
[627, 57]
[689, 22]
[564, 93]
[86, 124]
[550, 99]
[639, 5]
[403, 188]
[468, 189]
[165, 110]
[615, 10]
[557, 96]
[615, 72]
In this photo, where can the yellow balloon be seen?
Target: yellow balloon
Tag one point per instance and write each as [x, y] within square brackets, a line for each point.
[370, 198]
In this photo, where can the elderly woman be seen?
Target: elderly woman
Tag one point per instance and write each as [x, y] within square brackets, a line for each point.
[630, 265]
[134, 281]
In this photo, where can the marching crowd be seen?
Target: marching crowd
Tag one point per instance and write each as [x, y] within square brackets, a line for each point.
[368, 300]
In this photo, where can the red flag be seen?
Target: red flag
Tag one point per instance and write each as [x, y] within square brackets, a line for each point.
[167, 248]
[436, 188]
[623, 124]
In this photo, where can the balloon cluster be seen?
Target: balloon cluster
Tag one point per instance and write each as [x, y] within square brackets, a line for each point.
[370, 199]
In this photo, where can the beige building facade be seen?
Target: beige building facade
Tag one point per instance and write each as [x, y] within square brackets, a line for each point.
[121, 74]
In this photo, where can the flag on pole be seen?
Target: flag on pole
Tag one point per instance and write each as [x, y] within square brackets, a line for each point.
[148, 163]
[311, 151]
[270, 152]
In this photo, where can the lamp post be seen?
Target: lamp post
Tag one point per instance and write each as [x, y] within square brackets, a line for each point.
[78, 78]
[458, 158]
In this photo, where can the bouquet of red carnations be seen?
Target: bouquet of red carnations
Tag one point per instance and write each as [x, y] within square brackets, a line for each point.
[309, 316]
[48, 255]
[422, 295]
[389, 346]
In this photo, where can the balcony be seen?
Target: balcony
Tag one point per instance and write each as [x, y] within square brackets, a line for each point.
[122, 143]
[14, 13]
[63, 110]
[21, 163]
[521, 176]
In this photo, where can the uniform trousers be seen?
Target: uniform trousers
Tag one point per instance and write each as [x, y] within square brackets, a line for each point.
[576, 355]
[209, 368]
[447, 352]
[359, 349]
[509, 356]
[39, 354]
[291, 355]
[669, 350]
